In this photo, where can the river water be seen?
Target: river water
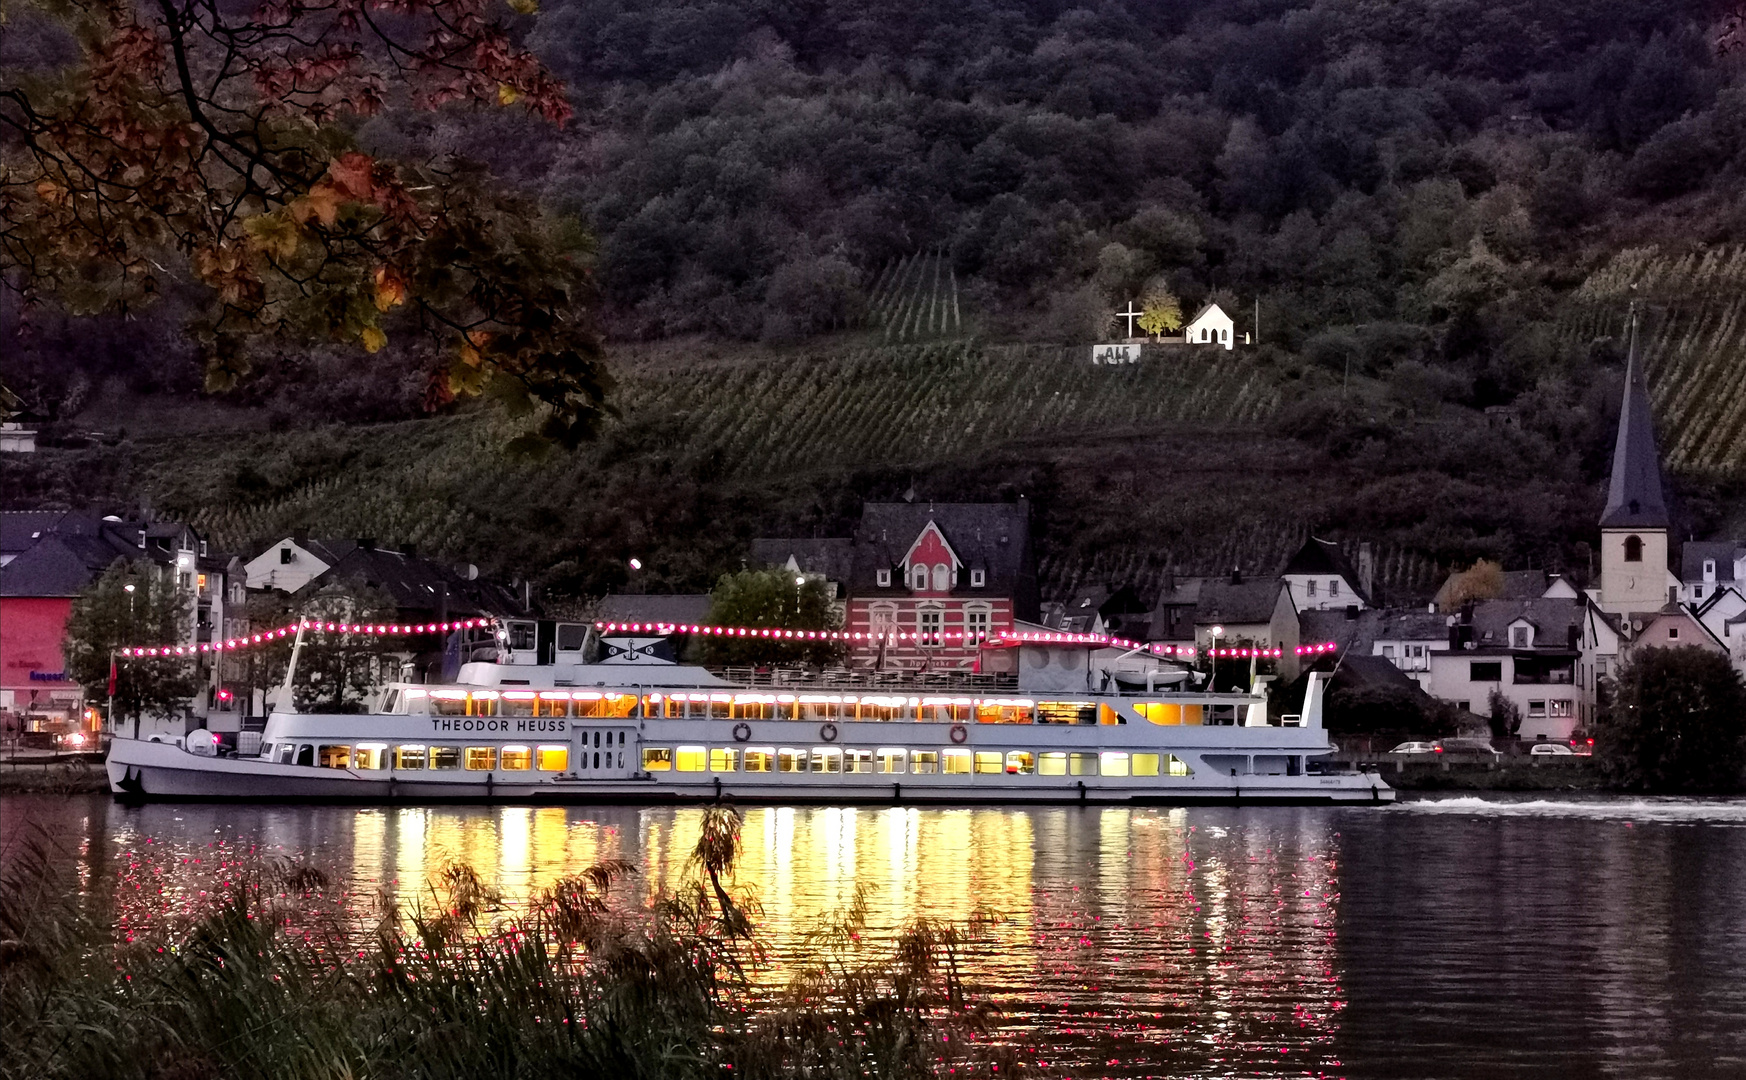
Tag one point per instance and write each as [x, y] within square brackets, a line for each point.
[1462, 937]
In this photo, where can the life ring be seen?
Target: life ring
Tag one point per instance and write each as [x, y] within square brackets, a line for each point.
[827, 732]
[742, 732]
[958, 733]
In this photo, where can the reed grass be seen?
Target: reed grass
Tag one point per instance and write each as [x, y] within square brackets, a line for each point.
[264, 985]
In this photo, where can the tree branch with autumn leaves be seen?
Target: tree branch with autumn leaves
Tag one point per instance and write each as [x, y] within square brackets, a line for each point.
[216, 142]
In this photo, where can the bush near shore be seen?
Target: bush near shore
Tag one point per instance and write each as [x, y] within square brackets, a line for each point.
[265, 985]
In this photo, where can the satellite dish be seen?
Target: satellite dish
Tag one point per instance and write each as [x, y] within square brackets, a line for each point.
[472, 572]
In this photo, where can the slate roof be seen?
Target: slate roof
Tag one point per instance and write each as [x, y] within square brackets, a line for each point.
[414, 584]
[654, 607]
[832, 557]
[1353, 635]
[1634, 493]
[1552, 621]
[20, 529]
[1321, 557]
[50, 567]
[1173, 613]
[1245, 603]
[64, 550]
[1724, 552]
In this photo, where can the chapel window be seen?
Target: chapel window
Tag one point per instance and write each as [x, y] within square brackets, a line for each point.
[1633, 549]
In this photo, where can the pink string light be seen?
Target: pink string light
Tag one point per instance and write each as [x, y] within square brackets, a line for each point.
[267, 637]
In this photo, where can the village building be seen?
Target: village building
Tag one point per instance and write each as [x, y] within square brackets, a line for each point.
[1320, 577]
[926, 583]
[1708, 567]
[1527, 652]
[1634, 526]
[1239, 613]
[1210, 326]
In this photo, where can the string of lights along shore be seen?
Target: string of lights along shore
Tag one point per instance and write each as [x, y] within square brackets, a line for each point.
[268, 637]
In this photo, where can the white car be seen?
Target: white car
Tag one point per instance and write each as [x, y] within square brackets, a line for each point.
[1551, 749]
[1415, 748]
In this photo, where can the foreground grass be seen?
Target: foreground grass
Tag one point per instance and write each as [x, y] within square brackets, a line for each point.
[263, 986]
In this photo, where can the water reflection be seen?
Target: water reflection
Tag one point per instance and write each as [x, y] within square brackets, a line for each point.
[1209, 941]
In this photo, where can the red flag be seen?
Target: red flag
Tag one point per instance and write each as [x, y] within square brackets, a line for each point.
[112, 676]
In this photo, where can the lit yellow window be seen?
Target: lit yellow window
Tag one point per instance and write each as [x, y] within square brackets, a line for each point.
[1082, 764]
[335, 757]
[857, 761]
[1052, 763]
[409, 757]
[554, 703]
[553, 758]
[760, 758]
[723, 759]
[924, 761]
[1145, 764]
[445, 757]
[990, 761]
[788, 759]
[657, 758]
[482, 703]
[1020, 762]
[448, 702]
[517, 703]
[1168, 713]
[690, 759]
[481, 758]
[956, 762]
[890, 759]
[1115, 763]
[1178, 767]
[827, 759]
[370, 755]
[518, 758]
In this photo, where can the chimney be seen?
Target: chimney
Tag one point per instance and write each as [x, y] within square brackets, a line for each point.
[1367, 570]
[1170, 578]
[1236, 575]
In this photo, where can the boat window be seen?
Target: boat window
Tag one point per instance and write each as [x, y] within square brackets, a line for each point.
[689, 759]
[789, 759]
[819, 707]
[287, 753]
[1020, 762]
[857, 761]
[657, 758]
[335, 757]
[1052, 763]
[1168, 713]
[448, 702]
[882, 708]
[391, 703]
[924, 761]
[518, 758]
[1144, 764]
[572, 636]
[719, 707]
[445, 757]
[370, 755]
[266, 751]
[481, 758]
[1066, 712]
[517, 703]
[1177, 767]
[760, 758]
[941, 710]
[723, 759]
[1081, 764]
[520, 635]
[409, 756]
[755, 707]
[827, 759]
[990, 761]
[591, 704]
[670, 706]
[305, 754]
[413, 701]
[890, 759]
[553, 703]
[1115, 763]
[482, 702]
[955, 762]
[1003, 711]
[553, 758]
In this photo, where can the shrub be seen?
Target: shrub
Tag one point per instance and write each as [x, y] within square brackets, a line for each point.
[1676, 723]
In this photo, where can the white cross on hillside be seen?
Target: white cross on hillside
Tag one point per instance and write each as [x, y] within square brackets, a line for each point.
[1129, 315]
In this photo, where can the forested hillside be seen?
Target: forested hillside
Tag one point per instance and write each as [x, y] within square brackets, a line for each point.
[843, 248]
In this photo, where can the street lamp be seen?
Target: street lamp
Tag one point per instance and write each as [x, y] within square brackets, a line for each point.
[1212, 656]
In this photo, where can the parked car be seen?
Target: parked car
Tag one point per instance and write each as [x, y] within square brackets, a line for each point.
[1415, 748]
[1467, 746]
[1551, 749]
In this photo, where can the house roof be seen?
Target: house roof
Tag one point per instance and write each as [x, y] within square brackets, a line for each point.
[1724, 552]
[50, 567]
[414, 584]
[1322, 557]
[833, 557]
[1634, 492]
[1205, 308]
[1552, 620]
[677, 608]
[1246, 602]
[64, 550]
[1353, 635]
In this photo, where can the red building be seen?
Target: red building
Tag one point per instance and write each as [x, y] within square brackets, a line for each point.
[944, 576]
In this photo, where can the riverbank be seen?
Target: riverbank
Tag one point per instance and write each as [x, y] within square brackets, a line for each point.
[66, 776]
[1506, 775]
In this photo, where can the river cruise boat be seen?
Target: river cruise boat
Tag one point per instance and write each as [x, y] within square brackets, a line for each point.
[610, 733]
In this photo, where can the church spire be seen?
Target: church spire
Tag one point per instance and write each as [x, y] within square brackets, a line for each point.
[1634, 499]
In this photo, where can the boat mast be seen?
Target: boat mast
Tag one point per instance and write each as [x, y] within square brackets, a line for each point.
[288, 703]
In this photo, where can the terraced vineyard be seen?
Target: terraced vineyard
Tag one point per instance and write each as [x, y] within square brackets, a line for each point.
[1693, 342]
[916, 299]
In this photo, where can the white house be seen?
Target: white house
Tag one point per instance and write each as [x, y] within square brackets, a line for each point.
[1321, 579]
[1707, 568]
[1211, 327]
[291, 563]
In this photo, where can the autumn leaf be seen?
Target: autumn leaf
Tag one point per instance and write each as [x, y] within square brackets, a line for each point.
[351, 174]
[507, 94]
[390, 289]
[274, 235]
[525, 7]
[373, 339]
[322, 203]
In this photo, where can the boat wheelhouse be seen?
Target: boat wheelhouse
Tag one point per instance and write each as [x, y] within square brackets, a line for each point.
[654, 733]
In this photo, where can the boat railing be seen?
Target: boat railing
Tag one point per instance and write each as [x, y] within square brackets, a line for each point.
[841, 678]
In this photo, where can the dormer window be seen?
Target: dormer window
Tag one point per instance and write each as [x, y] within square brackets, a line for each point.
[942, 577]
[1521, 637]
[1709, 569]
[1633, 549]
[978, 578]
[918, 577]
[883, 577]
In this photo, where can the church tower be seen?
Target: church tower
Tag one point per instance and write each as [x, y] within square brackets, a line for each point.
[1634, 524]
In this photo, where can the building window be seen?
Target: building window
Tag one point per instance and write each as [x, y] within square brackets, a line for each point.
[1559, 710]
[942, 577]
[1485, 671]
[884, 578]
[1388, 652]
[883, 620]
[978, 578]
[1673, 633]
[1709, 569]
[1518, 637]
[1633, 549]
[1536, 708]
[918, 577]
[978, 624]
[1697, 592]
[1309, 588]
[285, 555]
[929, 624]
[1334, 587]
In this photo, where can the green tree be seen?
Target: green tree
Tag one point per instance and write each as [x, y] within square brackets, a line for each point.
[771, 598]
[1388, 710]
[1504, 715]
[336, 673]
[1163, 311]
[1676, 723]
[131, 605]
